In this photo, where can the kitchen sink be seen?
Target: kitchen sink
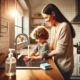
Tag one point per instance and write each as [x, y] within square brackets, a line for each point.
[33, 64]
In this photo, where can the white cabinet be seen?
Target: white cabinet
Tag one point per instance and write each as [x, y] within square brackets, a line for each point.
[78, 64]
[75, 60]
[78, 58]
[76, 71]
[79, 70]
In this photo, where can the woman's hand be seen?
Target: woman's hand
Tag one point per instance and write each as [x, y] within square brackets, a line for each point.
[51, 47]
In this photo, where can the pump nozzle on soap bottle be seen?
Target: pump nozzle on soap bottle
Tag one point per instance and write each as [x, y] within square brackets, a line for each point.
[10, 53]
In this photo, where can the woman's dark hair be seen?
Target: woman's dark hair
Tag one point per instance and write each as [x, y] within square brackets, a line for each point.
[59, 16]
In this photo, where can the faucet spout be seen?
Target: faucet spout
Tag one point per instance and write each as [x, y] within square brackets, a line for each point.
[21, 41]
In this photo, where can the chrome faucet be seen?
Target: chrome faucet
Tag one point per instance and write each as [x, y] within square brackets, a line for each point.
[25, 42]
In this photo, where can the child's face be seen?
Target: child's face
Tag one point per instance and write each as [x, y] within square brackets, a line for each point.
[41, 40]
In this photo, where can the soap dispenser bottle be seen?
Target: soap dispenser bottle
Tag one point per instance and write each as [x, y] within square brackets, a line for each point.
[10, 64]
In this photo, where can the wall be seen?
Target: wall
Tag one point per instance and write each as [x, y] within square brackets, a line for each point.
[7, 26]
[7, 21]
[19, 8]
[67, 7]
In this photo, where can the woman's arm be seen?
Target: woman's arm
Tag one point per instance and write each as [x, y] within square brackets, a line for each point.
[62, 41]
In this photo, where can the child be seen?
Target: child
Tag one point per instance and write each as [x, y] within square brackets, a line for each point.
[40, 34]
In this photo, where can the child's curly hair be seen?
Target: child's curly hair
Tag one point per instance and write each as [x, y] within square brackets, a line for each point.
[40, 33]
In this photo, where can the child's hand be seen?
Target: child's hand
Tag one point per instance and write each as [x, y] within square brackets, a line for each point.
[32, 58]
[26, 58]
[35, 58]
[37, 54]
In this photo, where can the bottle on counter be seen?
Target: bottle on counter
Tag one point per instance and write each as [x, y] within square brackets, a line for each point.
[10, 64]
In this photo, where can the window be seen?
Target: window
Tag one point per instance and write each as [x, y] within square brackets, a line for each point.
[18, 23]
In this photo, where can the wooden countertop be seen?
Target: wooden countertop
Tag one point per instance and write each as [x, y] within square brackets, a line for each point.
[34, 74]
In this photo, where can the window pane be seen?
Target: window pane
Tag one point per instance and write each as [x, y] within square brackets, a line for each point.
[19, 30]
[18, 24]
[16, 19]
[16, 30]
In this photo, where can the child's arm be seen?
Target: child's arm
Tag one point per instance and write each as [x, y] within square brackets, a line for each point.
[27, 58]
[36, 58]
[43, 51]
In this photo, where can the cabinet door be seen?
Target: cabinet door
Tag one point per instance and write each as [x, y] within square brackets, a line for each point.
[78, 70]
[79, 59]
[75, 60]
[75, 71]
[74, 51]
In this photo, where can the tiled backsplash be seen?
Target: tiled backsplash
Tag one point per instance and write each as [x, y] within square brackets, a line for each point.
[77, 30]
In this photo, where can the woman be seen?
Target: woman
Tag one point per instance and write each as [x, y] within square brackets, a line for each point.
[62, 35]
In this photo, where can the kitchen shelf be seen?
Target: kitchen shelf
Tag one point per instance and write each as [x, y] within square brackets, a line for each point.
[37, 20]
[37, 17]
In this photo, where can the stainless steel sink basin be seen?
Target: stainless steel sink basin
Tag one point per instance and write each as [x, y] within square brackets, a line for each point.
[34, 64]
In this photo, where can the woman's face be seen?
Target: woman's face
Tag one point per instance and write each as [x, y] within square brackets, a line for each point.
[49, 19]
